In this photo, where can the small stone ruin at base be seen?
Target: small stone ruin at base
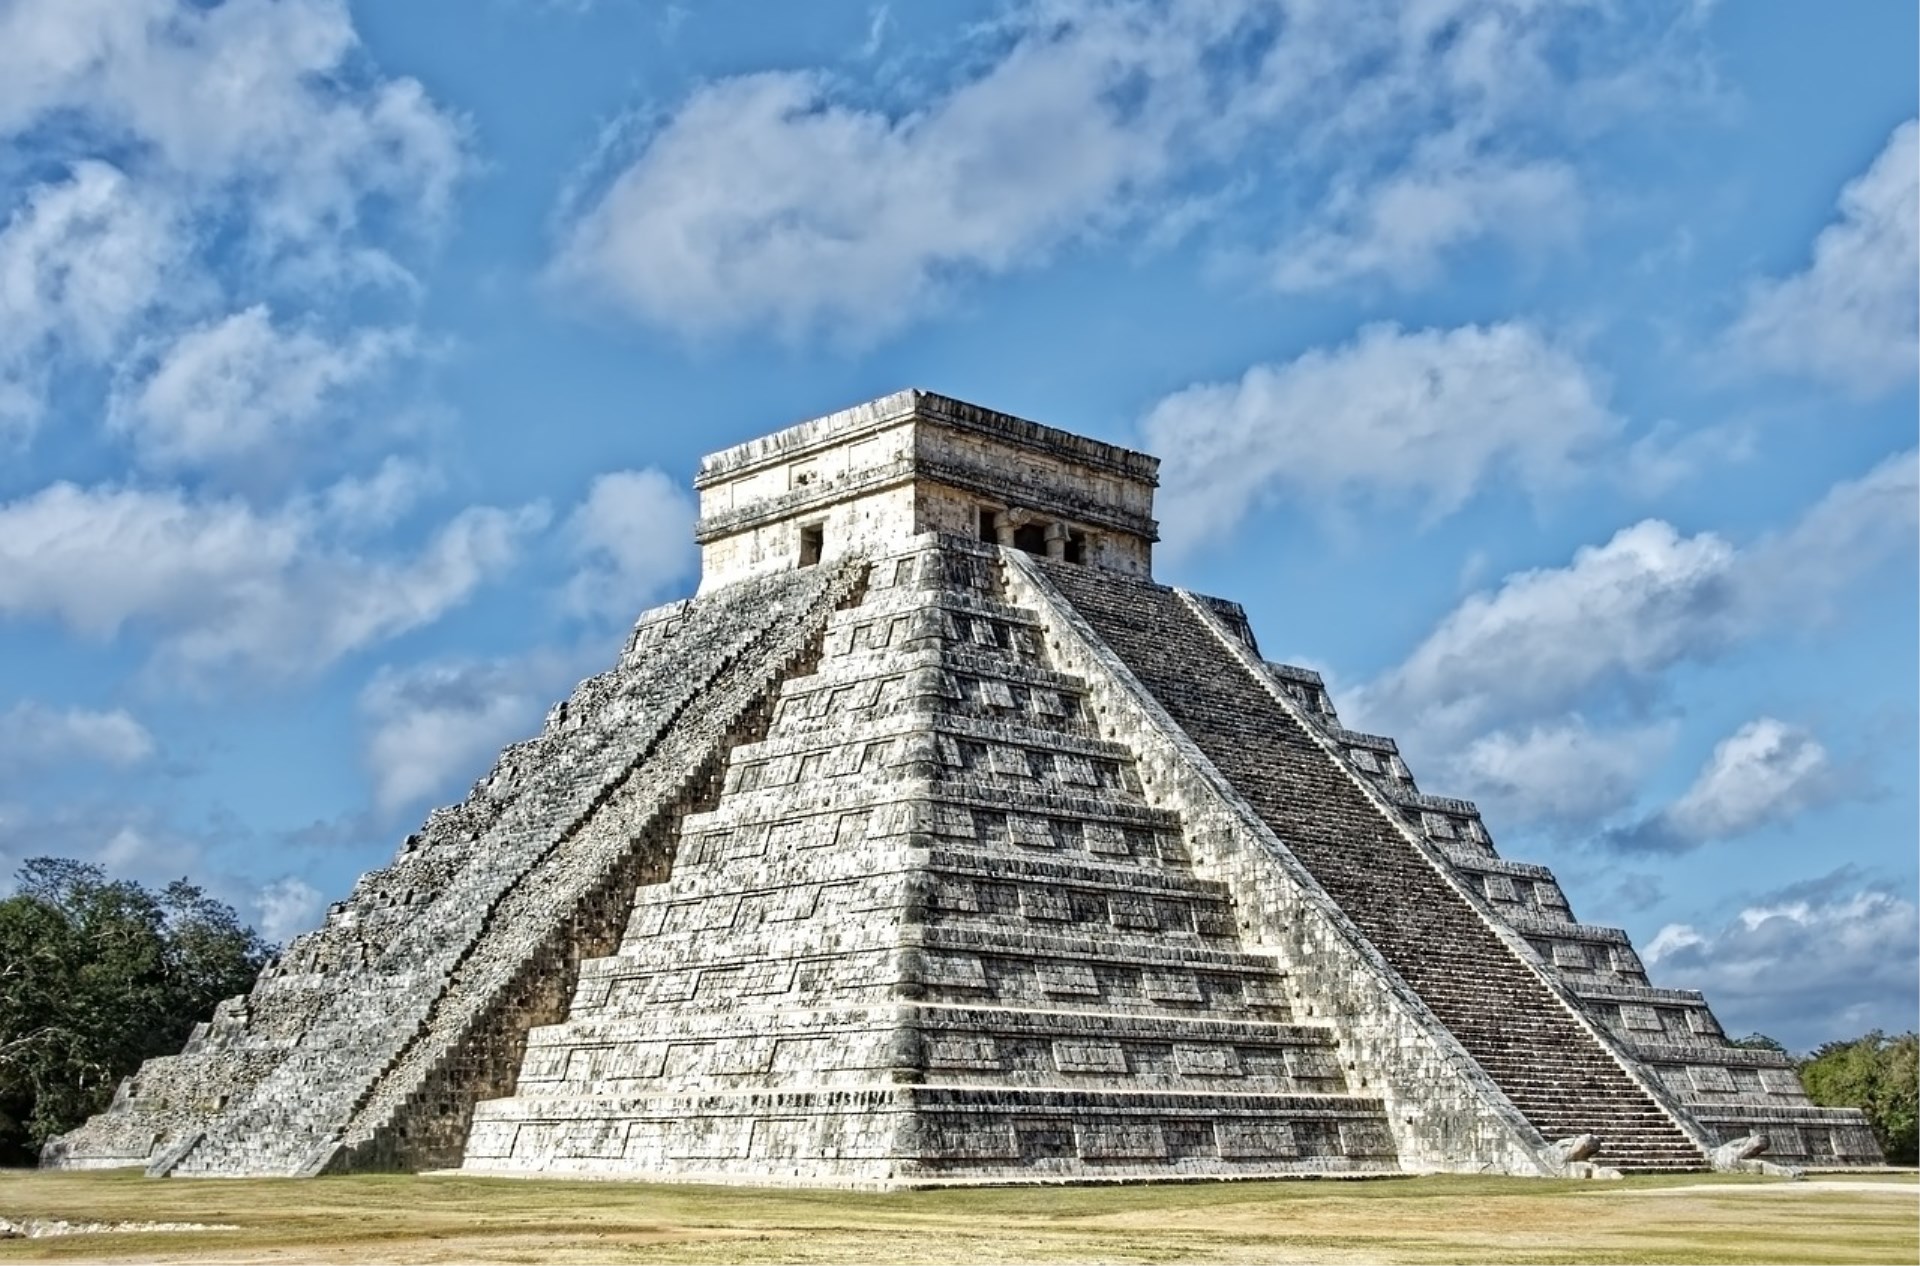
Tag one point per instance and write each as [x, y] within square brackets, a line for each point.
[934, 842]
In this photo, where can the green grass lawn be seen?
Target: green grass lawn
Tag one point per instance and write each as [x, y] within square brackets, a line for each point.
[1695, 1218]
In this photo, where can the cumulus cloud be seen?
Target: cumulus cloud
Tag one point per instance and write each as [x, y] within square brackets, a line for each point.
[782, 201]
[202, 150]
[1852, 317]
[1401, 228]
[1622, 612]
[1426, 417]
[226, 389]
[81, 259]
[633, 535]
[128, 841]
[1828, 959]
[1559, 772]
[763, 201]
[1646, 599]
[227, 586]
[1801, 574]
[434, 727]
[286, 907]
[35, 736]
[259, 94]
[1766, 772]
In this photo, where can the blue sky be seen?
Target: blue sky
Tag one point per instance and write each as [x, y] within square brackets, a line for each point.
[1544, 374]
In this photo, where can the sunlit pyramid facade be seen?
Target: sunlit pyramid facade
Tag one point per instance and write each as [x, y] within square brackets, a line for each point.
[933, 841]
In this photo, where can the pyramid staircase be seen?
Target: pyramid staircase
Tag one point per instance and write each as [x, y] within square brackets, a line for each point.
[1554, 1068]
[932, 932]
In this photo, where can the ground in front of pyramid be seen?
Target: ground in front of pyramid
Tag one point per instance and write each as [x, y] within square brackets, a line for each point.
[933, 842]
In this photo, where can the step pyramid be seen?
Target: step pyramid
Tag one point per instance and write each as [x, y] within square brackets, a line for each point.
[932, 841]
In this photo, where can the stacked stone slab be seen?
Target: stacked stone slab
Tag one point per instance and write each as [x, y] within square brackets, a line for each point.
[932, 932]
[933, 842]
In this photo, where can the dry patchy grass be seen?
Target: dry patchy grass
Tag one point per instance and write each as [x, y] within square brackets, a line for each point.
[458, 1219]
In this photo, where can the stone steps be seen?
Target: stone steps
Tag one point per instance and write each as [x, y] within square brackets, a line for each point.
[1494, 1003]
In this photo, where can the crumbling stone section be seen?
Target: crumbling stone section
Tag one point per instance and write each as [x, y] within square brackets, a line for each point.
[272, 1086]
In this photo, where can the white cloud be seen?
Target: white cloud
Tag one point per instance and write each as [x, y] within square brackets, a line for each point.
[1646, 599]
[1800, 575]
[1766, 772]
[1546, 640]
[227, 389]
[80, 261]
[35, 736]
[1852, 317]
[434, 727]
[633, 535]
[763, 202]
[226, 586]
[1669, 455]
[260, 94]
[1559, 772]
[775, 201]
[247, 142]
[1401, 228]
[1427, 417]
[372, 503]
[1803, 966]
[287, 907]
[127, 841]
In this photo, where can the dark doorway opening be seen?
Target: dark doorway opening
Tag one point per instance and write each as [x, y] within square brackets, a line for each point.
[813, 542]
[1076, 547]
[1032, 538]
[990, 526]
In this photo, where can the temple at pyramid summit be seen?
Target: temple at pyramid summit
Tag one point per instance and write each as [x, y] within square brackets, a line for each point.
[933, 841]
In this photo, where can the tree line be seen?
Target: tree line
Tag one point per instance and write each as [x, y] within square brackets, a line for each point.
[97, 975]
[1876, 1073]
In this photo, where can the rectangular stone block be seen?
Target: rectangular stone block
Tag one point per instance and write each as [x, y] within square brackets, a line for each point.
[1121, 1140]
[1089, 1057]
[1066, 978]
[1207, 1061]
[1255, 1140]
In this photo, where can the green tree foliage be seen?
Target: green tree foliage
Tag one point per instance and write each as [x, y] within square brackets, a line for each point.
[1756, 1042]
[1878, 1074]
[95, 976]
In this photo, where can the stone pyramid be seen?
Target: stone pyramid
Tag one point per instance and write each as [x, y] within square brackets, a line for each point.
[934, 842]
